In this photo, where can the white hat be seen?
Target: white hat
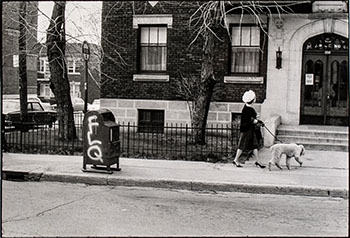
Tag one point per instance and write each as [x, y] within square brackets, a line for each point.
[248, 96]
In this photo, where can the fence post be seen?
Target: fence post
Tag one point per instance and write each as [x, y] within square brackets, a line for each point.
[186, 141]
[21, 142]
[128, 140]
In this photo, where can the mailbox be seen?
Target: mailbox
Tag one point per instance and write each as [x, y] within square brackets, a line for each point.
[101, 140]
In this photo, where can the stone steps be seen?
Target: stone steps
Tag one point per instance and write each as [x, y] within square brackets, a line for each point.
[328, 138]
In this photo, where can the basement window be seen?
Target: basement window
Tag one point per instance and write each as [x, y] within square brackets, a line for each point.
[151, 121]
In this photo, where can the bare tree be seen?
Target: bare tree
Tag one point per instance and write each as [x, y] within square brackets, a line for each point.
[59, 82]
[208, 18]
[22, 42]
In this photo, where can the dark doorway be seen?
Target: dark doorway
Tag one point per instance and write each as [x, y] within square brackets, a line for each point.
[325, 81]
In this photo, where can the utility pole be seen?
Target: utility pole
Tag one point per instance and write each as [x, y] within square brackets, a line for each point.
[22, 66]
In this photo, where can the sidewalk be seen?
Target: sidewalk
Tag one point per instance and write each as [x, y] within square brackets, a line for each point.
[324, 173]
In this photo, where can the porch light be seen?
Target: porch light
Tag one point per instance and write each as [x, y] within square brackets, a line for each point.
[278, 58]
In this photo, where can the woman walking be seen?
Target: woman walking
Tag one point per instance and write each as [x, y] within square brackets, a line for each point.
[248, 140]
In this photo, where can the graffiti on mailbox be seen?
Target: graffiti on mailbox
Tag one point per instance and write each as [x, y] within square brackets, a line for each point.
[94, 151]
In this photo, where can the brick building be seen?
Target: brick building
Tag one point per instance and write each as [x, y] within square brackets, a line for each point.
[294, 70]
[76, 72]
[10, 48]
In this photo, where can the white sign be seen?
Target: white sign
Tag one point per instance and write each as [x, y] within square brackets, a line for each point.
[309, 79]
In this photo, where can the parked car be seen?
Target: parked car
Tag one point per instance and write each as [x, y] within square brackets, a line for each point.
[78, 104]
[45, 105]
[95, 105]
[37, 115]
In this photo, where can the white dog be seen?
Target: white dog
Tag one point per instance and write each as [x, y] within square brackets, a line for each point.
[290, 150]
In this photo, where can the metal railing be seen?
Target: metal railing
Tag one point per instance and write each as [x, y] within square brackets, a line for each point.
[175, 142]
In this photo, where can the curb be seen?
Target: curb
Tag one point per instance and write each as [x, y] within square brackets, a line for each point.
[105, 179]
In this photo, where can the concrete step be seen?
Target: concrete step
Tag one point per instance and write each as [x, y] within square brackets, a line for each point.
[337, 134]
[315, 127]
[327, 147]
[308, 139]
[330, 138]
[315, 145]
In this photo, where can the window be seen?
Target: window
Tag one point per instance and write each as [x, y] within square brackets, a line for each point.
[153, 48]
[151, 121]
[45, 91]
[44, 65]
[75, 89]
[245, 49]
[73, 67]
[236, 119]
[44, 68]
[36, 107]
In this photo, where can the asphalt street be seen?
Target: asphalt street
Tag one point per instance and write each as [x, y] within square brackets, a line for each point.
[66, 209]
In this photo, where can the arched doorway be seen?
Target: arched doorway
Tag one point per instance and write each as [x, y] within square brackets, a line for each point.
[325, 81]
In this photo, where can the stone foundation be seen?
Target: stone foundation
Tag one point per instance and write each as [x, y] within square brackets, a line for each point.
[125, 110]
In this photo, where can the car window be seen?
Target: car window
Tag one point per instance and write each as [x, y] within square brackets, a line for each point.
[37, 107]
[34, 99]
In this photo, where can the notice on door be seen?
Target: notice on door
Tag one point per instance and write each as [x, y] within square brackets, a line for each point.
[309, 79]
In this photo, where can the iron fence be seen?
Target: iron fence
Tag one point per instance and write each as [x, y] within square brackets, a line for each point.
[178, 142]
[174, 141]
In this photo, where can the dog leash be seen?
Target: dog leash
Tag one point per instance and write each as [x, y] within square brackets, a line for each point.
[272, 133]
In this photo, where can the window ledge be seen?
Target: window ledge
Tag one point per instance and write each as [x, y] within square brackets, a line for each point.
[244, 79]
[151, 77]
[152, 19]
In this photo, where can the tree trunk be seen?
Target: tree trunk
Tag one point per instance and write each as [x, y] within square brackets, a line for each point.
[22, 42]
[59, 82]
[206, 88]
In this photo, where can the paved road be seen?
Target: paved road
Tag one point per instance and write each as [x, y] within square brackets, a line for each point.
[59, 209]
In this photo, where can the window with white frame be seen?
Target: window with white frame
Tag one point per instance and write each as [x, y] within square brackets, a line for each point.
[75, 89]
[45, 91]
[73, 66]
[44, 65]
[245, 49]
[153, 48]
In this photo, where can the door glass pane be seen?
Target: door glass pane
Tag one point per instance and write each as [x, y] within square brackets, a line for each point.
[344, 82]
[309, 89]
[318, 80]
[334, 85]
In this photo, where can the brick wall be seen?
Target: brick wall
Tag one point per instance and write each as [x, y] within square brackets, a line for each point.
[73, 50]
[119, 42]
[10, 33]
